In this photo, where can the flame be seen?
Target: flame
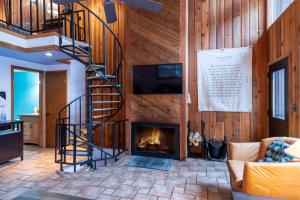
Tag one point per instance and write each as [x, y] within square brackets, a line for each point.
[153, 139]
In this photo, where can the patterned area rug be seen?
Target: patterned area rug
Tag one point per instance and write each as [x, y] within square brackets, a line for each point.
[150, 163]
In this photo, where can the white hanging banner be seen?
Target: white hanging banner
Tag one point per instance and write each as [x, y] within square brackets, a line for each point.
[225, 80]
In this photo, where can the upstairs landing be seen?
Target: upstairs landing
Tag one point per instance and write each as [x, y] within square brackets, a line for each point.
[33, 48]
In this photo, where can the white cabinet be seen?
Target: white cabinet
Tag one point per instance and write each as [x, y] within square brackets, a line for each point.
[31, 128]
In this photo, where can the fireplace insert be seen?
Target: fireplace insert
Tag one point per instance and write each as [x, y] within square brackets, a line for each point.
[155, 139]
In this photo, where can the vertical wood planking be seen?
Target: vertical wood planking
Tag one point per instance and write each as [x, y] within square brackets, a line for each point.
[226, 24]
[205, 33]
[157, 38]
[199, 20]
[292, 78]
[237, 23]
[228, 43]
[282, 39]
[213, 24]
[297, 32]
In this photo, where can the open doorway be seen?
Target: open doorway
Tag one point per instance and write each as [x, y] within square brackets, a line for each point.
[27, 102]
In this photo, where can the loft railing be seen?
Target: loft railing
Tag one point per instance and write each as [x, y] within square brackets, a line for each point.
[35, 16]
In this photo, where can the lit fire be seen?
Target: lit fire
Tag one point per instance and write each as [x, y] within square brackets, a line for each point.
[153, 139]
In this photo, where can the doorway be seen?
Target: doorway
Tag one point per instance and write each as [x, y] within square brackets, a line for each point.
[56, 99]
[278, 104]
[26, 102]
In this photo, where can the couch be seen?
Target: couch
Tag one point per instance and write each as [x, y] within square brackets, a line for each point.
[278, 180]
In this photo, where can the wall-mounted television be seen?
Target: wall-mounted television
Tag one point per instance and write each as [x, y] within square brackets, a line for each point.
[157, 79]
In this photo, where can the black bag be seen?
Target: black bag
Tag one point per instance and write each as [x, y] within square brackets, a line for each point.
[216, 150]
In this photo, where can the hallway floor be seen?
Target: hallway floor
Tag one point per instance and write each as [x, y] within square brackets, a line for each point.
[191, 179]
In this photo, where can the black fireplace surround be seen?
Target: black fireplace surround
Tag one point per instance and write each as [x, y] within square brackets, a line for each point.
[155, 139]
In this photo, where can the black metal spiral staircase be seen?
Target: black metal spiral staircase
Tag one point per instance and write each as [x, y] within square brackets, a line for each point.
[90, 128]
[76, 130]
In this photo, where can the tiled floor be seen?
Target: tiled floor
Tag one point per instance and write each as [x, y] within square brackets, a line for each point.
[191, 179]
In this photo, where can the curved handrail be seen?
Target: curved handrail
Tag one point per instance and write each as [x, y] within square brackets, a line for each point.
[116, 71]
[68, 105]
[120, 64]
[109, 29]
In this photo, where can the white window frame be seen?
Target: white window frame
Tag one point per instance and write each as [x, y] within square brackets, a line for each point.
[275, 8]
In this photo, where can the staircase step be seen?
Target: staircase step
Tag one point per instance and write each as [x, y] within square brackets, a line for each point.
[81, 55]
[105, 94]
[71, 148]
[104, 86]
[82, 140]
[78, 143]
[104, 109]
[85, 48]
[100, 116]
[84, 132]
[101, 77]
[76, 53]
[70, 48]
[106, 102]
[101, 65]
[95, 68]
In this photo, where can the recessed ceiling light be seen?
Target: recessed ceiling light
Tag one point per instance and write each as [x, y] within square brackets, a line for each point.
[49, 54]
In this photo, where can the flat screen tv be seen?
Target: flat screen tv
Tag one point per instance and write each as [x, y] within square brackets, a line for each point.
[157, 79]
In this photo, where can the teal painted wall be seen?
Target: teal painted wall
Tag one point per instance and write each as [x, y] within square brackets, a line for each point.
[26, 92]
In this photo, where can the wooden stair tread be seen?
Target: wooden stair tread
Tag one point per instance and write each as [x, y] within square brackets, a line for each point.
[104, 109]
[105, 94]
[106, 102]
[78, 148]
[100, 116]
[103, 86]
[100, 77]
[78, 139]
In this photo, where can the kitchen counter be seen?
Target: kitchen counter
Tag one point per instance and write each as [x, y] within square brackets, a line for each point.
[31, 115]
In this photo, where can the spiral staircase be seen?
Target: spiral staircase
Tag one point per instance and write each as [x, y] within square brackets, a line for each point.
[90, 129]
[84, 125]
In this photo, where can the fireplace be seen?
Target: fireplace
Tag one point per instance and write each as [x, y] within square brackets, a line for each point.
[155, 139]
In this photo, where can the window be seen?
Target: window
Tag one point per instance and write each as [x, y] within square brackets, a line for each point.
[278, 90]
[276, 8]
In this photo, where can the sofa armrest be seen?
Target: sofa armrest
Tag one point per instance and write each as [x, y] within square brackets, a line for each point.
[244, 151]
[279, 180]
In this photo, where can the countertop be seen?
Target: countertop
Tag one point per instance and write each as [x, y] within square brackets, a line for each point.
[30, 115]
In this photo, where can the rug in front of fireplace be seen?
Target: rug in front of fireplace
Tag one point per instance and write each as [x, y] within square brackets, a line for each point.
[150, 162]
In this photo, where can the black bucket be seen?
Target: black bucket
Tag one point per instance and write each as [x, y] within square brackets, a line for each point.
[216, 150]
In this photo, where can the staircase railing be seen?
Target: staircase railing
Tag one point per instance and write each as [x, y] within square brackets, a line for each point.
[39, 16]
[108, 68]
[70, 117]
[69, 133]
[103, 58]
[30, 16]
[117, 59]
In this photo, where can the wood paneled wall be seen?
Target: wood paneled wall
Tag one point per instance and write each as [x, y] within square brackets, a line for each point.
[97, 29]
[2, 11]
[97, 51]
[153, 38]
[225, 24]
[283, 39]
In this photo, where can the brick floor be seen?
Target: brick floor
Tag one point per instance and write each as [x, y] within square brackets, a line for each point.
[193, 179]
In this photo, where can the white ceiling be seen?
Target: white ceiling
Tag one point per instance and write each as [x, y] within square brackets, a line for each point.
[36, 57]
